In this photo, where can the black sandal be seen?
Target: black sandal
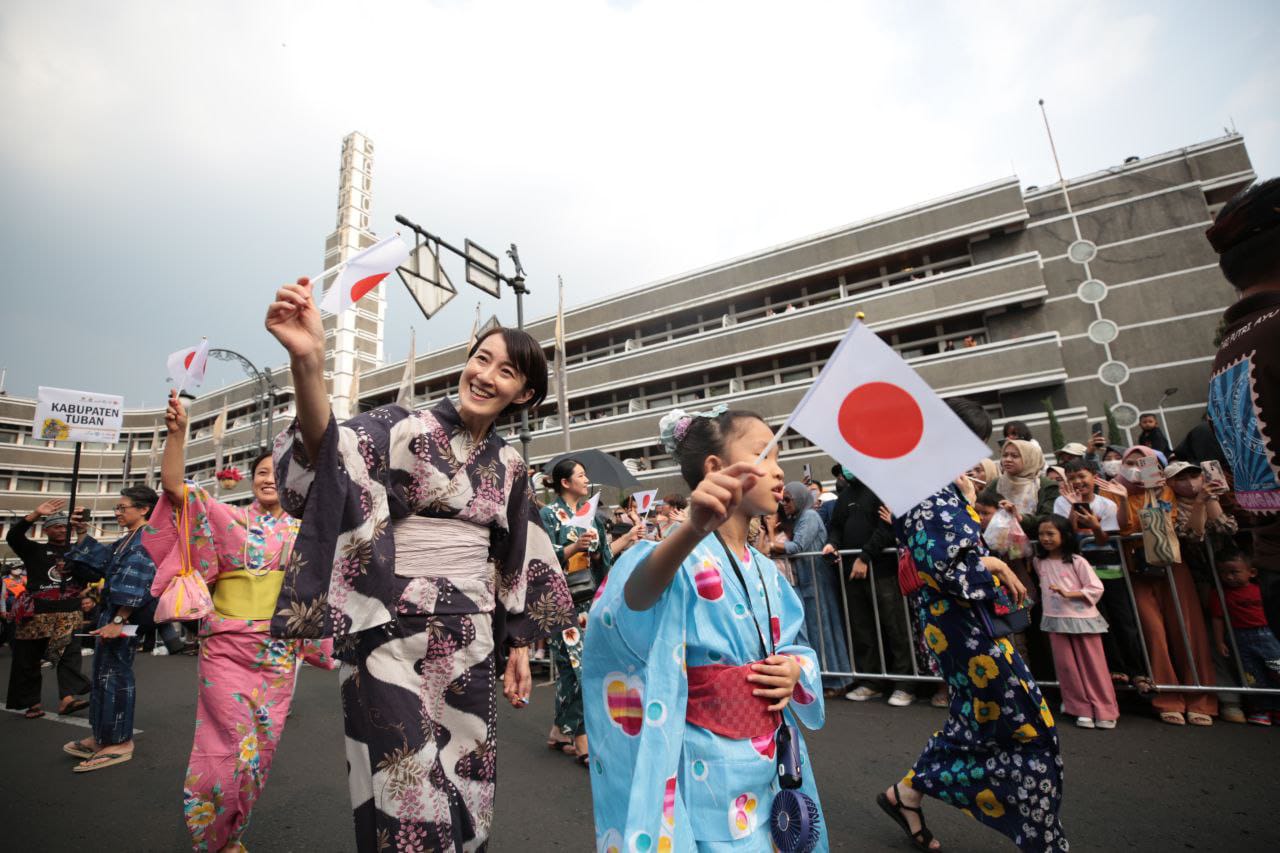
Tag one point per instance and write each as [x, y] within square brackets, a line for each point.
[921, 838]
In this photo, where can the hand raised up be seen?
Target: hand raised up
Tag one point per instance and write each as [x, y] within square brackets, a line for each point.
[294, 320]
[719, 494]
[175, 415]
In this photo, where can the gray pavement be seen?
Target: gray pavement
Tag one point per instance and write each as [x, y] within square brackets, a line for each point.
[1144, 786]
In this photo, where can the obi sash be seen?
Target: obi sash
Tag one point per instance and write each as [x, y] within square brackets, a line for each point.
[439, 553]
[721, 702]
[241, 595]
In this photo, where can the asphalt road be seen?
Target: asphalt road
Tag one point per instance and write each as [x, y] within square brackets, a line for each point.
[1144, 786]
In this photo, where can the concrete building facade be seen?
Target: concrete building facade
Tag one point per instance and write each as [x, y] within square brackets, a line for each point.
[982, 291]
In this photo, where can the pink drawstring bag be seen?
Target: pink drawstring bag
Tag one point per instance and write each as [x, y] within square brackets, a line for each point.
[187, 597]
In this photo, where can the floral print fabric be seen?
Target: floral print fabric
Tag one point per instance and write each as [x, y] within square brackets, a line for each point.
[657, 782]
[996, 758]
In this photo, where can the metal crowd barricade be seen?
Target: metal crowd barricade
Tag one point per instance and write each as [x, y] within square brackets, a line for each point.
[1197, 686]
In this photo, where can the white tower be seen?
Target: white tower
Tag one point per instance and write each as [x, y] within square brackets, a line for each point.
[356, 335]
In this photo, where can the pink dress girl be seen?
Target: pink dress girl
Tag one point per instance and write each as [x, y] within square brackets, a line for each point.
[246, 677]
[1069, 594]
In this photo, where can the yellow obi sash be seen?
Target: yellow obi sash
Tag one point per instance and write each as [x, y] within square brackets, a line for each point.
[240, 595]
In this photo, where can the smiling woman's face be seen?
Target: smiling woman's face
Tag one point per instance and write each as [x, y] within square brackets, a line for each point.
[264, 483]
[490, 382]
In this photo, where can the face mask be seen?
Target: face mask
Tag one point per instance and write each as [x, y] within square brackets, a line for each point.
[1185, 488]
[1130, 473]
[1111, 467]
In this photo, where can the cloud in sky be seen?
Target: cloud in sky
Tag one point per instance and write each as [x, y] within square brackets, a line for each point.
[167, 165]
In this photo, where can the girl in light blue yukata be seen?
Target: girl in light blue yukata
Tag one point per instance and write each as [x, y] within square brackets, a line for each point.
[692, 663]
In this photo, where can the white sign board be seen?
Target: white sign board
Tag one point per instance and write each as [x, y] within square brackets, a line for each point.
[64, 415]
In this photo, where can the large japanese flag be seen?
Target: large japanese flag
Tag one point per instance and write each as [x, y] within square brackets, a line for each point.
[584, 516]
[872, 413]
[363, 272]
[187, 366]
[645, 501]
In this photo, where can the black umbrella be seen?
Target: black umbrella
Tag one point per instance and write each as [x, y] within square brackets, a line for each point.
[603, 469]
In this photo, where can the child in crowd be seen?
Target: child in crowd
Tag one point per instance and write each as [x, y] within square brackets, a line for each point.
[1069, 593]
[986, 506]
[1259, 649]
[1097, 509]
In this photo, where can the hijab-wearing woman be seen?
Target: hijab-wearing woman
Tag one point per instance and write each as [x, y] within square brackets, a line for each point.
[818, 584]
[246, 677]
[1171, 663]
[416, 527]
[1021, 488]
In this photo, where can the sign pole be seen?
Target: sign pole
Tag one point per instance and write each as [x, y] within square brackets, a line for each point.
[75, 476]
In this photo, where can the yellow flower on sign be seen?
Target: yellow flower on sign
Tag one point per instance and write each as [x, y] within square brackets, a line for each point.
[985, 711]
[1025, 733]
[982, 668]
[935, 638]
[991, 807]
[201, 814]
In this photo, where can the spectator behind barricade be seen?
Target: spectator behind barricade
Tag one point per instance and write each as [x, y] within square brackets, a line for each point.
[1020, 431]
[1200, 443]
[1112, 462]
[816, 583]
[669, 514]
[1259, 650]
[858, 523]
[1152, 436]
[987, 507]
[1070, 450]
[1057, 473]
[1069, 594]
[1021, 488]
[1097, 511]
[1153, 561]
[1244, 391]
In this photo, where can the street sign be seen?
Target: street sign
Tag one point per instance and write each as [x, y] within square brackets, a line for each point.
[482, 270]
[426, 280]
[64, 415]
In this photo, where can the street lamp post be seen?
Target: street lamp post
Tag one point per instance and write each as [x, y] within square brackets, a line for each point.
[489, 278]
[264, 397]
[1168, 392]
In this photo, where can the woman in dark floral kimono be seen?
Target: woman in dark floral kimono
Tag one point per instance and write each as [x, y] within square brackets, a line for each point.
[416, 527]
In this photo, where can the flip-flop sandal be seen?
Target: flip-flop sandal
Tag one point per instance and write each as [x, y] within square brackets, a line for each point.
[33, 714]
[78, 749]
[76, 705]
[1196, 719]
[921, 838]
[101, 760]
[1173, 718]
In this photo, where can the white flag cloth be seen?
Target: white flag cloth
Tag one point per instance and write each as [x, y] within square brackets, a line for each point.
[874, 415]
[645, 501]
[363, 272]
[584, 517]
[187, 366]
[405, 396]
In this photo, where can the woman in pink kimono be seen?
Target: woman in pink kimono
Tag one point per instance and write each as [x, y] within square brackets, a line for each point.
[246, 676]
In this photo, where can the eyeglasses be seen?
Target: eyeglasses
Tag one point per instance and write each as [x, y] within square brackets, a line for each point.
[123, 507]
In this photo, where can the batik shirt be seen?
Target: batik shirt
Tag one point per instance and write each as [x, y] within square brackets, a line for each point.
[388, 464]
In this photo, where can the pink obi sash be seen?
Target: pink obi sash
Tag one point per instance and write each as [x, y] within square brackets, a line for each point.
[720, 701]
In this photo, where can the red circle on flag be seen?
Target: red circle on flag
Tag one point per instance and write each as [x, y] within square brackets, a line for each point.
[584, 509]
[186, 362]
[881, 420]
[364, 285]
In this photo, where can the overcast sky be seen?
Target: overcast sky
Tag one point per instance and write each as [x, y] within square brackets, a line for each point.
[166, 165]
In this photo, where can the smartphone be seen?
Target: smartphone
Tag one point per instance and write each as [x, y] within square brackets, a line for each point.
[1213, 472]
[808, 474]
[1081, 507]
[1149, 474]
[1097, 429]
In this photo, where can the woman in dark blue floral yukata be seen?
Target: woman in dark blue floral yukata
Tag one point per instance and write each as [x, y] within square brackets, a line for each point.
[996, 758]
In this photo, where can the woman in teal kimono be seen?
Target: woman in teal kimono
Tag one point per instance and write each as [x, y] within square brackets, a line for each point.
[691, 662]
[996, 758]
[585, 555]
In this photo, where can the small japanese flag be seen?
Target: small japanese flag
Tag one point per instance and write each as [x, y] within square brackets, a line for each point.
[645, 501]
[363, 272]
[186, 366]
[584, 516]
[875, 415]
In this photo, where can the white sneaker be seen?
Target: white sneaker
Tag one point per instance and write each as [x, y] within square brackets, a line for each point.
[1084, 722]
[901, 699]
[1105, 724]
[862, 694]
